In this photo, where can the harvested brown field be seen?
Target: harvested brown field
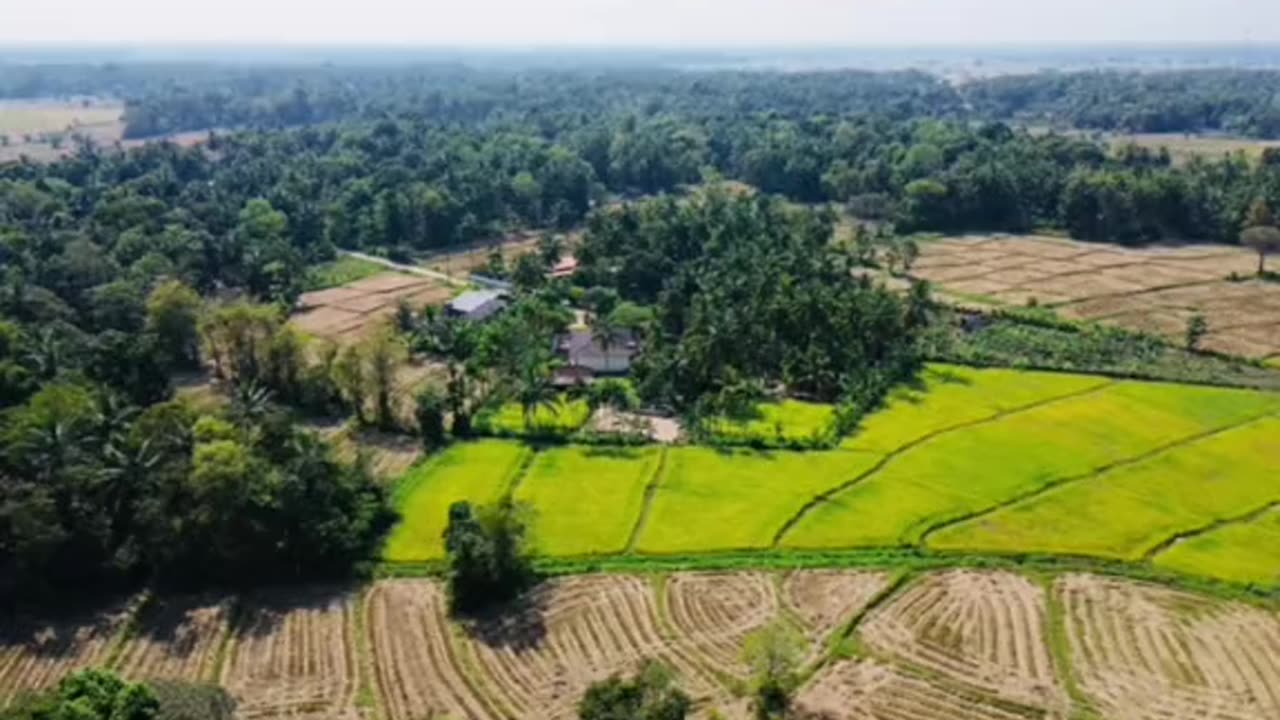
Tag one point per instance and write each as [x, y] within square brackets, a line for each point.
[418, 672]
[36, 655]
[867, 690]
[986, 630]
[176, 639]
[1145, 652]
[824, 600]
[1150, 289]
[713, 613]
[950, 645]
[576, 631]
[294, 656]
[347, 313]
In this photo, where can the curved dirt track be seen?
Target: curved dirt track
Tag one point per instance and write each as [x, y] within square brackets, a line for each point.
[1147, 653]
[987, 630]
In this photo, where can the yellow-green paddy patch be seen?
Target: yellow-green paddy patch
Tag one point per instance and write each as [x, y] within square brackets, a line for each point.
[481, 472]
[586, 500]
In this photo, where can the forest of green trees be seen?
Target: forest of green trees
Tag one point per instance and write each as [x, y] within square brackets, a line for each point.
[122, 270]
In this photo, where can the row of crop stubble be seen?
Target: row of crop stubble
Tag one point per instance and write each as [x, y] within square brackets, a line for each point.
[957, 644]
[990, 461]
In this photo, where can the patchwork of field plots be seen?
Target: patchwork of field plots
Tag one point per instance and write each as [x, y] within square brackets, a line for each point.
[1153, 289]
[994, 462]
[966, 644]
[345, 313]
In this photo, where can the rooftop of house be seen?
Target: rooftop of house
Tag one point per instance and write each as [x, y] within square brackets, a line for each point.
[574, 342]
[473, 300]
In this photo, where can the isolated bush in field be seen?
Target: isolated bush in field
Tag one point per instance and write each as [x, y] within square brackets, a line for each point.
[487, 553]
[650, 695]
[773, 654]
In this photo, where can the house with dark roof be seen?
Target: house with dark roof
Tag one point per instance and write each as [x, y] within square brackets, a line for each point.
[477, 304]
[585, 357]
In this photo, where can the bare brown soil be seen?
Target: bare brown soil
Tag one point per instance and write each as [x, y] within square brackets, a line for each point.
[176, 639]
[294, 656]
[1144, 652]
[986, 630]
[1150, 289]
[346, 314]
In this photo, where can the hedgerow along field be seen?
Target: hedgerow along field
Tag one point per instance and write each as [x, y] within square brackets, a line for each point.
[969, 461]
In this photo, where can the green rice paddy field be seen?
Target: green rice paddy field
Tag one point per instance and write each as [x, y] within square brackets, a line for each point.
[978, 462]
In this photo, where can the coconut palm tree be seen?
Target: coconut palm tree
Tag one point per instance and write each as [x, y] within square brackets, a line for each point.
[535, 391]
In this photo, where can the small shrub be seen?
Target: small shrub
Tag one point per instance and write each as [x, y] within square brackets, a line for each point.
[487, 555]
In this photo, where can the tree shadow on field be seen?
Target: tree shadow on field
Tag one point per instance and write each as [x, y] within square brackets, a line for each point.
[180, 622]
[263, 612]
[518, 626]
[64, 636]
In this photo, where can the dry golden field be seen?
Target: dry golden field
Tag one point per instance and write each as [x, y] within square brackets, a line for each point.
[1152, 289]
[957, 644]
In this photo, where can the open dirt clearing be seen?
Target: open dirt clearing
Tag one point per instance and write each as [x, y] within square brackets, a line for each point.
[294, 656]
[346, 313]
[1145, 652]
[1151, 289]
[31, 126]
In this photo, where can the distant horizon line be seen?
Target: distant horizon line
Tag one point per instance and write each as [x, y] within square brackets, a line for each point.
[628, 46]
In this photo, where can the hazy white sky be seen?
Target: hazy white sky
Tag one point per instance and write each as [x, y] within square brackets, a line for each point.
[640, 22]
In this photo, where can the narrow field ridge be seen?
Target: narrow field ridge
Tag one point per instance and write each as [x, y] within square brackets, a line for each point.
[650, 490]
[1207, 528]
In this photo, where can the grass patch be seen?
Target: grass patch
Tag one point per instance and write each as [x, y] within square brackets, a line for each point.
[1242, 552]
[586, 499]
[948, 396]
[1126, 512]
[561, 419]
[712, 499]
[982, 466]
[777, 424]
[345, 269]
[480, 472]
